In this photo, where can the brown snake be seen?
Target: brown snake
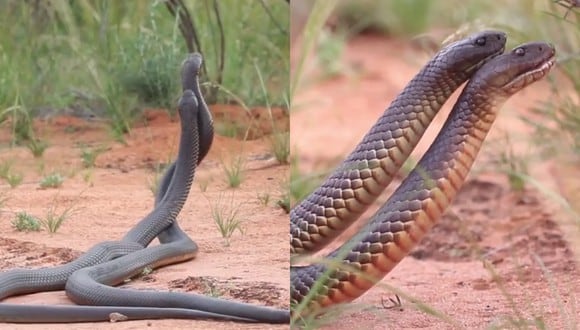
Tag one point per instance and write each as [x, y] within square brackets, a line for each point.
[422, 197]
[365, 173]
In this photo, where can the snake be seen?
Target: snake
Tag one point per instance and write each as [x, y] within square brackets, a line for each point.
[372, 165]
[89, 279]
[423, 196]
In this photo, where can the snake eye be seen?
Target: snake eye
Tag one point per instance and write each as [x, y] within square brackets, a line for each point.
[520, 51]
[480, 41]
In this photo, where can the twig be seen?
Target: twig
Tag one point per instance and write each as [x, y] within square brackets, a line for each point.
[267, 10]
[187, 27]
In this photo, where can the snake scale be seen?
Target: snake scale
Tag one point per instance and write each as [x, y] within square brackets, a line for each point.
[385, 240]
[427, 191]
[89, 280]
[367, 171]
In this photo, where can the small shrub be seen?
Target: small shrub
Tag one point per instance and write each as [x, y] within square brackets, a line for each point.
[54, 180]
[26, 222]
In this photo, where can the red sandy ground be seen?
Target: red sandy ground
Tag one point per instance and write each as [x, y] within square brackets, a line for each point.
[110, 198]
[488, 223]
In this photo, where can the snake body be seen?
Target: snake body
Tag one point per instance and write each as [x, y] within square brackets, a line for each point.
[423, 196]
[90, 282]
[365, 173]
[20, 281]
[23, 281]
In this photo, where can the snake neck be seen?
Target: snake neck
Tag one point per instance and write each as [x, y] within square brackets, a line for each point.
[167, 209]
[205, 123]
[425, 94]
[412, 210]
[370, 168]
[190, 81]
[440, 173]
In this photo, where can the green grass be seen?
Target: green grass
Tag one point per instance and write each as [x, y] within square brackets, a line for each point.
[411, 18]
[229, 128]
[399, 17]
[54, 219]
[53, 180]
[18, 116]
[26, 222]
[284, 202]
[11, 177]
[234, 171]
[331, 315]
[279, 139]
[320, 12]
[37, 147]
[88, 176]
[280, 146]
[226, 216]
[329, 53]
[302, 184]
[121, 57]
[299, 186]
[89, 156]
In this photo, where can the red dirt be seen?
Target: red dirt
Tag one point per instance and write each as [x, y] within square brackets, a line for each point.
[488, 224]
[110, 198]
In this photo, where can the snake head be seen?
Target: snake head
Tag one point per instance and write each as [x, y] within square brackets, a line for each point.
[190, 70]
[511, 72]
[469, 54]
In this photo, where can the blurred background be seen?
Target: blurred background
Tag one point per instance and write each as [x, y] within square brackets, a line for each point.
[110, 59]
[428, 23]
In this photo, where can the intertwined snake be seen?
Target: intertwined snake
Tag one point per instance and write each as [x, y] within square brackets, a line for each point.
[380, 245]
[89, 279]
[424, 195]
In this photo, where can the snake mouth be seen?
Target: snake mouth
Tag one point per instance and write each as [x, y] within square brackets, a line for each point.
[487, 59]
[534, 74]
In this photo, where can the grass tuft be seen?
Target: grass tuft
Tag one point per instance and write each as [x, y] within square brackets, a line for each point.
[89, 156]
[54, 220]
[12, 178]
[301, 184]
[26, 222]
[225, 214]
[234, 171]
[280, 145]
[53, 180]
[37, 147]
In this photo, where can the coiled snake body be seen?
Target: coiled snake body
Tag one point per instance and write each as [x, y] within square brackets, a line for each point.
[88, 280]
[423, 196]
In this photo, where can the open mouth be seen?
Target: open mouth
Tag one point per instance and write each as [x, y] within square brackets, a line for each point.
[530, 76]
[543, 68]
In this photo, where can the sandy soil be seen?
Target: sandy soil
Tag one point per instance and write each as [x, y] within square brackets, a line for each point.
[111, 197]
[489, 229]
